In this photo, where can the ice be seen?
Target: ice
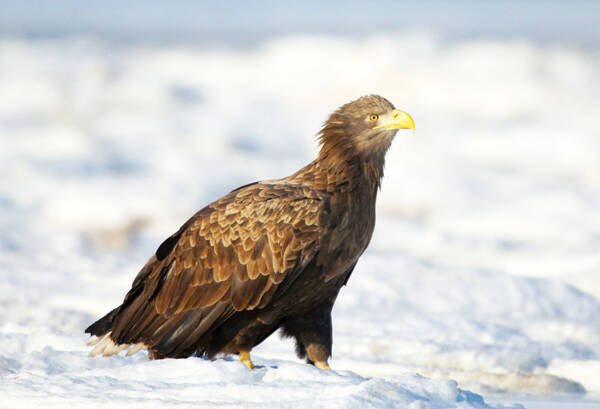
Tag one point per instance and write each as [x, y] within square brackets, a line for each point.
[483, 272]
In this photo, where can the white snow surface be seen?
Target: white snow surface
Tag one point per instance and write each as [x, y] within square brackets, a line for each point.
[483, 273]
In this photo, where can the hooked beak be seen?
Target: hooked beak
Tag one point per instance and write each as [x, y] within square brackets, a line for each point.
[396, 120]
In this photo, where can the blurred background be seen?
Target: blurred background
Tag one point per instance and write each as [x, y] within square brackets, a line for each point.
[118, 120]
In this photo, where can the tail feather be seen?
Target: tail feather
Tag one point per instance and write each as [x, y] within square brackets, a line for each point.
[105, 346]
[101, 345]
[136, 348]
[93, 340]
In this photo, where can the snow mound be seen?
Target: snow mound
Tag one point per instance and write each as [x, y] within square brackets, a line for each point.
[53, 379]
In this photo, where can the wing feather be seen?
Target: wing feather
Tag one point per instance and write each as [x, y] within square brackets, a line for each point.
[230, 256]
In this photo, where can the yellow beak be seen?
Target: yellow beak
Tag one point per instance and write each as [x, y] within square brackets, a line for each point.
[397, 120]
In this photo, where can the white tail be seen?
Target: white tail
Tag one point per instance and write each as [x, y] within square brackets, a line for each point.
[107, 347]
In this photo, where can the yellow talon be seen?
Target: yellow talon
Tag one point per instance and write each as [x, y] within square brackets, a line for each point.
[245, 359]
[322, 365]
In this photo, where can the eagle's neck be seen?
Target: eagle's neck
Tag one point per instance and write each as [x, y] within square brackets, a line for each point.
[345, 170]
[346, 161]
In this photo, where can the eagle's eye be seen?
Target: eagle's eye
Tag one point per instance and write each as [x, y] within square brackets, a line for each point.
[373, 117]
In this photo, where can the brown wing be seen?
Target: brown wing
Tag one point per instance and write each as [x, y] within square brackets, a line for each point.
[230, 256]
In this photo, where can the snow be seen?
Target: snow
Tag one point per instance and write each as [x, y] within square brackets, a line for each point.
[482, 279]
[139, 383]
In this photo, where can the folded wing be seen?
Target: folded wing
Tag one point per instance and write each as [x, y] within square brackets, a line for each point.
[232, 256]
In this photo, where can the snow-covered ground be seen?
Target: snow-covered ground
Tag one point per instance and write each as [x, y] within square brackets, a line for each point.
[483, 276]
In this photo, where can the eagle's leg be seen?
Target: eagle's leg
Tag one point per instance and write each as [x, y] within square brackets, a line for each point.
[245, 359]
[312, 331]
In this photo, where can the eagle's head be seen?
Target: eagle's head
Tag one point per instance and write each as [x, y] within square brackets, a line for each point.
[365, 126]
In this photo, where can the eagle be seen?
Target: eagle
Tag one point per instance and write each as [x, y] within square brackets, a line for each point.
[269, 255]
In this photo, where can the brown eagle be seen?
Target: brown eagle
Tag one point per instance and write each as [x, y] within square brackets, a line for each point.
[268, 255]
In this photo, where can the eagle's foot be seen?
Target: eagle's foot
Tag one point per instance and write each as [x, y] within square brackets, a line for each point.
[245, 359]
[322, 365]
